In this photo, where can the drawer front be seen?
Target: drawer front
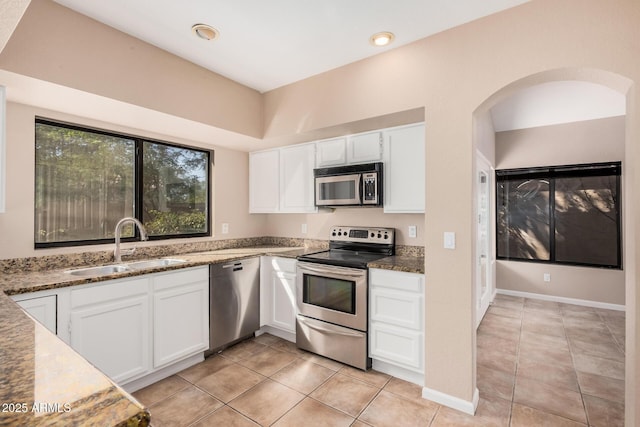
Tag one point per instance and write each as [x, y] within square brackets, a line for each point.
[180, 277]
[402, 309]
[408, 282]
[287, 265]
[397, 346]
[108, 291]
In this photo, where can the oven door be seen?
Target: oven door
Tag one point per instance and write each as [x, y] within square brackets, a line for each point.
[334, 294]
[336, 190]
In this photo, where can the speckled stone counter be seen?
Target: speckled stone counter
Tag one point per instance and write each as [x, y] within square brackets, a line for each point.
[45, 382]
[409, 264]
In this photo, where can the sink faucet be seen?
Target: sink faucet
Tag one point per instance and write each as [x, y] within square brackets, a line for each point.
[117, 253]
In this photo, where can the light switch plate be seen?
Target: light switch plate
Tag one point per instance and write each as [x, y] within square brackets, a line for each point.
[225, 228]
[449, 240]
[304, 229]
[413, 231]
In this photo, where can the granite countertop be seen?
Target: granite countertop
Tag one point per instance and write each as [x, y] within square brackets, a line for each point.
[408, 264]
[45, 382]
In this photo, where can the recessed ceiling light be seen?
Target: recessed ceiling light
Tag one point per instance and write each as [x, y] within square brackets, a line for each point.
[382, 38]
[204, 31]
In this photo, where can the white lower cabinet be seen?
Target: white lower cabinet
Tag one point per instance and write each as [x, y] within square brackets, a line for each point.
[180, 315]
[133, 327]
[278, 295]
[109, 327]
[41, 308]
[396, 323]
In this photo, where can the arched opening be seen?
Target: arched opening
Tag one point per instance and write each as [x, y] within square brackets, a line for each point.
[520, 372]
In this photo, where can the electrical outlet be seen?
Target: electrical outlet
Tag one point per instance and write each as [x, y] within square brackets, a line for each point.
[413, 231]
[225, 228]
[546, 277]
[304, 229]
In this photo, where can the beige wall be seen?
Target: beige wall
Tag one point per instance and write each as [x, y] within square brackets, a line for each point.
[319, 224]
[449, 75]
[573, 143]
[230, 179]
[58, 45]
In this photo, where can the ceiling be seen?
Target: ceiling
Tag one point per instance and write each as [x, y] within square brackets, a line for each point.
[268, 44]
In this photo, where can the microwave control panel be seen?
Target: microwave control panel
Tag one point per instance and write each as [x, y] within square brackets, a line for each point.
[369, 188]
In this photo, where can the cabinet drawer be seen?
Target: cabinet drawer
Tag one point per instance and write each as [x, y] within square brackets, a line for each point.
[109, 291]
[181, 277]
[287, 265]
[398, 308]
[397, 346]
[408, 282]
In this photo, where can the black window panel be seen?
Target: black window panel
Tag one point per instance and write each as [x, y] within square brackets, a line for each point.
[564, 214]
[523, 219]
[88, 179]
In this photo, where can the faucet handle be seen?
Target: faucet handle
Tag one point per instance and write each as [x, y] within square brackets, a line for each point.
[127, 251]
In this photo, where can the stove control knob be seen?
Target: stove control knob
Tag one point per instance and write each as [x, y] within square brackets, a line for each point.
[386, 236]
[379, 236]
[373, 235]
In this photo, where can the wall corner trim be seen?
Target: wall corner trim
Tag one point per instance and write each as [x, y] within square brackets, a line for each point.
[468, 407]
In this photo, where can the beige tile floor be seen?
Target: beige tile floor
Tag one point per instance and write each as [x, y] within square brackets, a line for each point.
[539, 364]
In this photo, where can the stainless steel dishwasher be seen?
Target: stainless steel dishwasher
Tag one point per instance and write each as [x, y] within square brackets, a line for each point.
[234, 305]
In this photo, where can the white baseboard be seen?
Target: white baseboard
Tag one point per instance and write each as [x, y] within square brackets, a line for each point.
[575, 301]
[285, 335]
[468, 407]
[163, 373]
[398, 372]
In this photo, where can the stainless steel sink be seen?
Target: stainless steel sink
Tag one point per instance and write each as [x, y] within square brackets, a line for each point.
[98, 271]
[152, 263]
[103, 270]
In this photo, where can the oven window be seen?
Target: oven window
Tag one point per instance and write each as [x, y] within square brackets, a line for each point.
[339, 190]
[326, 292]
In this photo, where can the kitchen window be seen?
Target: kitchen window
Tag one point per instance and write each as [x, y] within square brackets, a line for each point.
[561, 214]
[88, 179]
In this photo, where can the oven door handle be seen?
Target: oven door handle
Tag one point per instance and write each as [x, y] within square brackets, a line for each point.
[330, 270]
[329, 331]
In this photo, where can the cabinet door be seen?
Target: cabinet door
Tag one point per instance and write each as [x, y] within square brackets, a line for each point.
[264, 181]
[404, 170]
[365, 147]
[180, 315]
[110, 327]
[43, 309]
[283, 309]
[398, 346]
[296, 179]
[331, 152]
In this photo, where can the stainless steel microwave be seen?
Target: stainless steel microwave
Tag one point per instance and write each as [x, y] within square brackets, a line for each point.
[353, 185]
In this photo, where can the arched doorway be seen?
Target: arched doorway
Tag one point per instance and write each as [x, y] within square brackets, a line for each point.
[484, 147]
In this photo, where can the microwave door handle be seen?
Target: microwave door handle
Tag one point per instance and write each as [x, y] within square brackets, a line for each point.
[360, 187]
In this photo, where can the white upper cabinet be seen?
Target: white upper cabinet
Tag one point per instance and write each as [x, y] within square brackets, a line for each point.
[296, 178]
[404, 169]
[359, 148]
[3, 150]
[331, 152]
[364, 148]
[264, 181]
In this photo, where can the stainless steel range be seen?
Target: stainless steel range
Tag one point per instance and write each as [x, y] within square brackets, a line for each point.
[332, 294]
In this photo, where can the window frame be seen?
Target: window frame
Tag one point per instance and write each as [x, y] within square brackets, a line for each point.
[565, 171]
[137, 191]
